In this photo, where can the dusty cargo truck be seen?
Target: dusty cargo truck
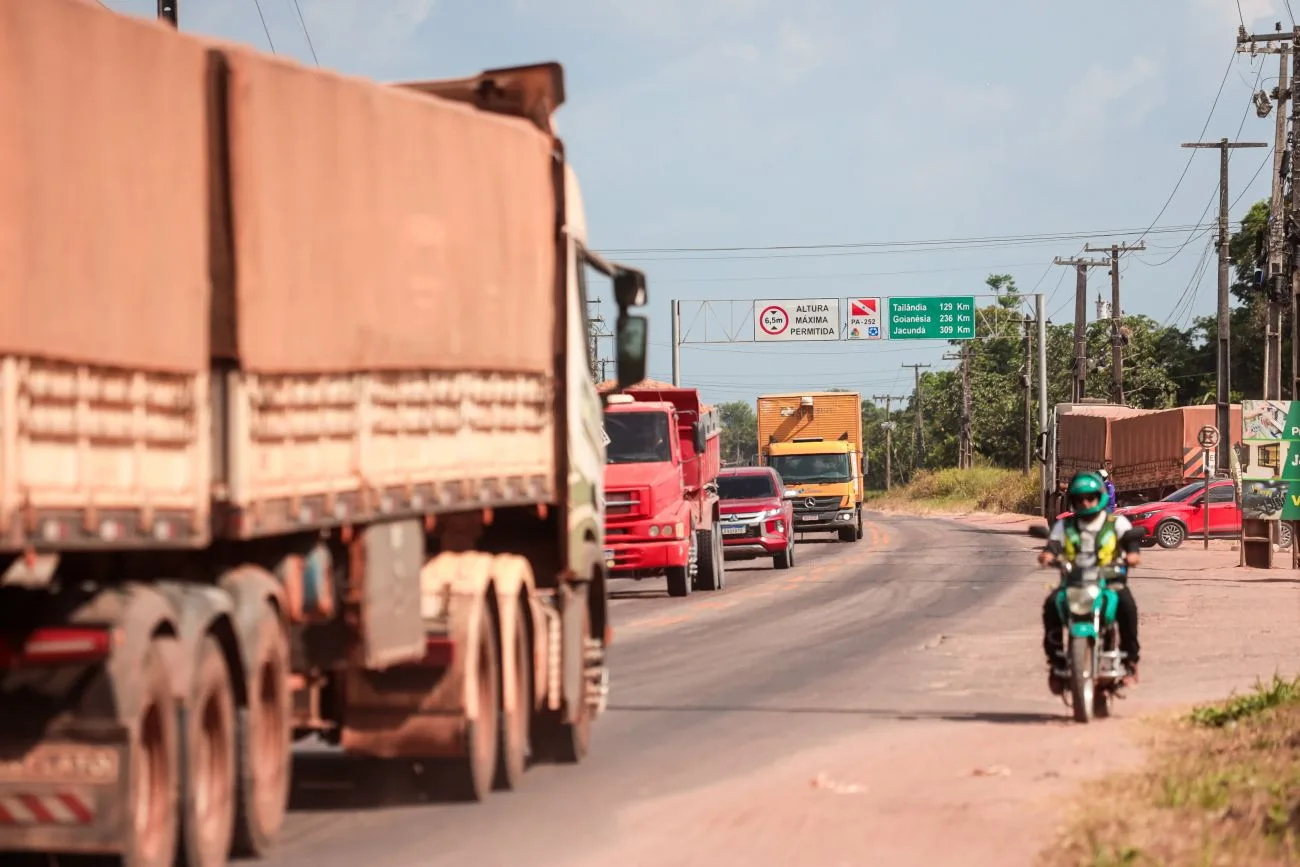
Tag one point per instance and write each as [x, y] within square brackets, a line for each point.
[297, 433]
[662, 507]
[1157, 453]
[814, 441]
[1079, 439]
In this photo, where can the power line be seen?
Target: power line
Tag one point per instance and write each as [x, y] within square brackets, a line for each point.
[306, 32]
[928, 245]
[265, 29]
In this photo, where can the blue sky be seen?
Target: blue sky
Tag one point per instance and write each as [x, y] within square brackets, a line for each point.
[751, 123]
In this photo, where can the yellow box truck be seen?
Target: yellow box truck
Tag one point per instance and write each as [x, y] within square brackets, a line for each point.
[814, 441]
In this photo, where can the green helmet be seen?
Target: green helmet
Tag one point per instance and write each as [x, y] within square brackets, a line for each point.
[1087, 485]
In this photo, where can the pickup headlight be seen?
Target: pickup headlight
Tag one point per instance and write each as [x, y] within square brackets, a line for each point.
[769, 514]
[1081, 600]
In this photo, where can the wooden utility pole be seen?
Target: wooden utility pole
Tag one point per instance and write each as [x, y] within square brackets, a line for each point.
[888, 426]
[1223, 392]
[965, 444]
[917, 461]
[1027, 380]
[1080, 388]
[167, 12]
[1116, 314]
[1275, 279]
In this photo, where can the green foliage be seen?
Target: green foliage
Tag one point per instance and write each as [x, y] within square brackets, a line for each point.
[986, 489]
[739, 433]
[1263, 698]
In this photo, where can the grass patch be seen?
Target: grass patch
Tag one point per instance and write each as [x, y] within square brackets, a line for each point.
[1222, 787]
[982, 489]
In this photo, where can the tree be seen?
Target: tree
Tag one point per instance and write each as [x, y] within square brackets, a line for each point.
[739, 433]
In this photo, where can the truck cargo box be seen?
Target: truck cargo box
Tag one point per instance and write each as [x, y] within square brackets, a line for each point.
[835, 415]
[1084, 437]
[1159, 450]
[104, 407]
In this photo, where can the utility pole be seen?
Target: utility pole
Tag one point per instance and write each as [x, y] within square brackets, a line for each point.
[1027, 380]
[1285, 231]
[677, 342]
[167, 12]
[1116, 314]
[965, 444]
[1223, 397]
[888, 425]
[919, 446]
[1081, 266]
[595, 331]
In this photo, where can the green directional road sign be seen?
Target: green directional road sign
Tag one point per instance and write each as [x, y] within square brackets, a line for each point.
[938, 318]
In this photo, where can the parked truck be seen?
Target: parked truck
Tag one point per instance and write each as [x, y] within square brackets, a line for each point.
[1079, 439]
[297, 433]
[663, 457]
[1157, 453]
[814, 441]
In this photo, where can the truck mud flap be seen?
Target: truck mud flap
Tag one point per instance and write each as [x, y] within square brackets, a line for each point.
[390, 558]
[63, 797]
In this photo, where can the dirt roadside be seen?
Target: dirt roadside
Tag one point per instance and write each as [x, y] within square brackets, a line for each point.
[980, 766]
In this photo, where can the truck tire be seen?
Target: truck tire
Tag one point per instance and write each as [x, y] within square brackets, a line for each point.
[709, 576]
[860, 528]
[679, 577]
[512, 751]
[474, 772]
[848, 534]
[210, 744]
[155, 769]
[1170, 534]
[264, 742]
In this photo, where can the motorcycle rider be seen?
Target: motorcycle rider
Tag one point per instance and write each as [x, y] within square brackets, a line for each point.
[1091, 535]
[1110, 489]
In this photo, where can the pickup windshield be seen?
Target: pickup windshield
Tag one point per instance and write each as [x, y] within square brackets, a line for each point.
[1185, 493]
[812, 469]
[748, 487]
[637, 438]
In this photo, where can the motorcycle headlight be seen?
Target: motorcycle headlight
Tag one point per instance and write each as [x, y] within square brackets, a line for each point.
[1082, 600]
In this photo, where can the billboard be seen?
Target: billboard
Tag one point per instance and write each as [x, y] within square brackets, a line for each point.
[1269, 457]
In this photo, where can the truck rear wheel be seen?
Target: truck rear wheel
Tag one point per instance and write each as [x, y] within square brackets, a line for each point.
[512, 752]
[474, 772]
[210, 746]
[264, 749]
[154, 769]
[710, 574]
[860, 529]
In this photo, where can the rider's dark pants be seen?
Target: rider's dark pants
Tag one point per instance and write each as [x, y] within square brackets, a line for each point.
[1126, 616]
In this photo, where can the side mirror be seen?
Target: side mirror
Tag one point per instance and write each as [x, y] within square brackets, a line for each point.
[629, 288]
[632, 340]
[701, 439]
[1039, 531]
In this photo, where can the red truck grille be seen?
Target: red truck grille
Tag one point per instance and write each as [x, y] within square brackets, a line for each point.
[626, 504]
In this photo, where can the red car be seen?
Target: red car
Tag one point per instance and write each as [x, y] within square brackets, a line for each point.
[1170, 521]
[757, 515]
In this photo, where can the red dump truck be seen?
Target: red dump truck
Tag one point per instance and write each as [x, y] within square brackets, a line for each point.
[297, 434]
[1156, 453]
[661, 487]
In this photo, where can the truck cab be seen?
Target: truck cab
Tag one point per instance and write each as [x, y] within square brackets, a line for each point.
[662, 461]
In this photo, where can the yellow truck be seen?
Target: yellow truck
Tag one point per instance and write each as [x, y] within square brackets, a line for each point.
[814, 441]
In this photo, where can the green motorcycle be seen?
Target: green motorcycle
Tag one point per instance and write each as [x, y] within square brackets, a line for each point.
[1094, 663]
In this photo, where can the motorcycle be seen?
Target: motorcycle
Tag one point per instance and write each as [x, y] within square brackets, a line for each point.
[1094, 663]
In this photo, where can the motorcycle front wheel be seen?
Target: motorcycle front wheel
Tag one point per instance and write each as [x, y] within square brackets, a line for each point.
[1082, 686]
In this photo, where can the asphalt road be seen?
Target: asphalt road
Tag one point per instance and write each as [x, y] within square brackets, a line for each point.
[710, 687]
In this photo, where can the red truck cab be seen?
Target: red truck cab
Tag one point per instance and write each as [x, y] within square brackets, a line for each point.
[757, 516]
[662, 461]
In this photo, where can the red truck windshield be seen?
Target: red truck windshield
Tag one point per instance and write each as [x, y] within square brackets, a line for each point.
[637, 438]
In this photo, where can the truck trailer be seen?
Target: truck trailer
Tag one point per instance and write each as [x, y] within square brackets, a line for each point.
[297, 433]
[814, 440]
[661, 487]
[1157, 453]
[1079, 439]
